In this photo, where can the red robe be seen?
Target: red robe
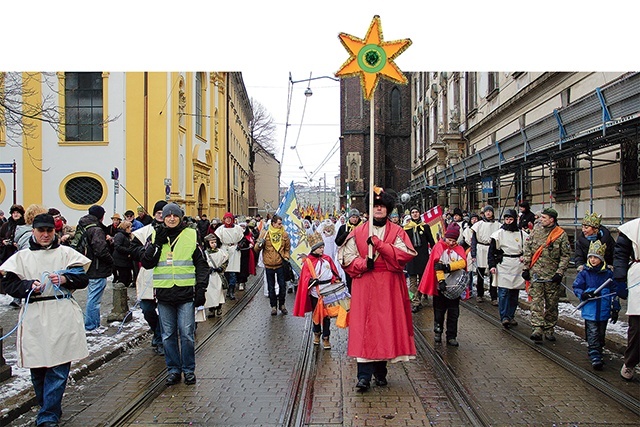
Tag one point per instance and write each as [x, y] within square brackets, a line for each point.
[429, 282]
[380, 322]
[302, 303]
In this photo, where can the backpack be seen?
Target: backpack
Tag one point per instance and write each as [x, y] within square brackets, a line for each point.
[80, 240]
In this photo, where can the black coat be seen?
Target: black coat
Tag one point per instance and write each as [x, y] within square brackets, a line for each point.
[122, 248]
[582, 247]
[526, 218]
[419, 235]
[99, 254]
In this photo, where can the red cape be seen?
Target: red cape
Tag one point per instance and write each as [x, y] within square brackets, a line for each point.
[302, 303]
[429, 282]
[380, 321]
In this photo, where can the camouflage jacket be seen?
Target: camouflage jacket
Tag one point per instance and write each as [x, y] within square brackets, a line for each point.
[554, 259]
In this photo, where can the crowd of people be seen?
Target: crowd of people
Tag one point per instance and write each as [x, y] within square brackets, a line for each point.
[388, 266]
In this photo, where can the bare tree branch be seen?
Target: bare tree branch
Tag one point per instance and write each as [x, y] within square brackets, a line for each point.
[263, 131]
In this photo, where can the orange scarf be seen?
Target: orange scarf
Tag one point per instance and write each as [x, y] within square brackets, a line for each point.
[552, 237]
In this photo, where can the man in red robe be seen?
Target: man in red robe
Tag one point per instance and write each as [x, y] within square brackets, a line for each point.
[380, 322]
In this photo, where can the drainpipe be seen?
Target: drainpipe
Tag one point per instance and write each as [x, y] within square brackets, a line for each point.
[228, 148]
[145, 141]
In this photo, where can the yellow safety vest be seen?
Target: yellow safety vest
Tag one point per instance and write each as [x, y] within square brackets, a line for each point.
[180, 271]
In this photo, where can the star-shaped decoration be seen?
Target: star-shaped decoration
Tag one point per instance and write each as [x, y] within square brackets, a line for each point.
[372, 58]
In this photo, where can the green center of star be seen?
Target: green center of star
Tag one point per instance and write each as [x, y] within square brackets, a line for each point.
[372, 58]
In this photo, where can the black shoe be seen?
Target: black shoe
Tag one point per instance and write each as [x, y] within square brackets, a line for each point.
[437, 337]
[452, 342]
[290, 290]
[506, 323]
[381, 382]
[536, 336]
[598, 366]
[189, 379]
[363, 385]
[173, 378]
[415, 309]
[550, 336]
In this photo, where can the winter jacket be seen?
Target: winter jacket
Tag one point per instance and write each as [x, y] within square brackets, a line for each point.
[98, 249]
[588, 280]
[626, 263]
[122, 248]
[270, 257]
[582, 247]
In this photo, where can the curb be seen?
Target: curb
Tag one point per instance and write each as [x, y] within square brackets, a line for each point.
[22, 402]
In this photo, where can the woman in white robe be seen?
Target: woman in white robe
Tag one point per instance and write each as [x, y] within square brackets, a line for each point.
[217, 260]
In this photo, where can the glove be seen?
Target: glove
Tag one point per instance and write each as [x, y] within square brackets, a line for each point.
[218, 270]
[369, 263]
[162, 236]
[587, 296]
[614, 316]
[200, 298]
[313, 282]
[442, 286]
[444, 267]
[557, 278]
[526, 275]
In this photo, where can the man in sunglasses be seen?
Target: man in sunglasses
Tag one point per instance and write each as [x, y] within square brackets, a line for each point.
[51, 334]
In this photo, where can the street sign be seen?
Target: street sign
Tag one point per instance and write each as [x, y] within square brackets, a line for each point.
[167, 190]
[116, 186]
[5, 170]
[115, 174]
[487, 185]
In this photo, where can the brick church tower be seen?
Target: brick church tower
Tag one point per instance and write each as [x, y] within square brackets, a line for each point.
[392, 117]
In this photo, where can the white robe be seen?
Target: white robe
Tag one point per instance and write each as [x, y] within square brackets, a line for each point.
[144, 280]
[631, 229]
[484, 230]
[229, 238]
[509, 271]
[51, 332]
[214, 295]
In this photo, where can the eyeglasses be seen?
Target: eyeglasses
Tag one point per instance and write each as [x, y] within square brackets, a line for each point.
[45, 229]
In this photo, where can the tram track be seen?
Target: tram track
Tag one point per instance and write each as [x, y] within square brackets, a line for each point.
[606, 388]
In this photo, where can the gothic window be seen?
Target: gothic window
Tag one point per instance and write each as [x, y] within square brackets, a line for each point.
[83, 107]
[395, 106]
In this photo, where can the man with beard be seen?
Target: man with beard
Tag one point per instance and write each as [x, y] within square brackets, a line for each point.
[379, 294]
[420, 235]
[482, 231]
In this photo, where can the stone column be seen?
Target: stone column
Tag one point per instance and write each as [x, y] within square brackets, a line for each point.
[120, 304]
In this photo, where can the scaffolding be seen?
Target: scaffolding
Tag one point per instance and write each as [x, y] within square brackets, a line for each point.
[600, 120]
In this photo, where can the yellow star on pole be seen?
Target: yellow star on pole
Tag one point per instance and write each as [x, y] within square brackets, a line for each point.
[372, 58]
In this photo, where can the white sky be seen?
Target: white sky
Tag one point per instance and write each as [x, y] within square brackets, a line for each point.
[267, 40]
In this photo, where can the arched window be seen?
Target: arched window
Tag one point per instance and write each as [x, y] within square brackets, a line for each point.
[395, 105]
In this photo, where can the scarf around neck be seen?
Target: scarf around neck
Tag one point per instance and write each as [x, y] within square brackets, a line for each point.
[275, 236]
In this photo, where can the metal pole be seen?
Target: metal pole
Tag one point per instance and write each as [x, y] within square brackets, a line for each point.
[371, 174]
[325, 193]
[15, 194]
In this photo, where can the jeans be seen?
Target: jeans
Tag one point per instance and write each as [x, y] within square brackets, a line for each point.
[232, 279]
[94, 296]
[271, 285]
[179, 353]
[326, 322]
[368, 369]
[49, 385]
[148, 307]
[451, 307]
[595, 331]
[507, 303]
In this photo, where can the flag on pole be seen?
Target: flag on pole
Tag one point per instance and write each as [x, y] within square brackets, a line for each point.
[434, 219]
[292, 223]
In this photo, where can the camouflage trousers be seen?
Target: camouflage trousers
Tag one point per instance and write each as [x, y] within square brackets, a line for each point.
[416, 300]
[544, 305]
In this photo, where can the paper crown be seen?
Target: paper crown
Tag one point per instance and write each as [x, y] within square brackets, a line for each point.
[597, 249]
[315, 241]
[592, 219]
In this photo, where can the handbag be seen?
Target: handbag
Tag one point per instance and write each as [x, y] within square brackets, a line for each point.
[289, 275]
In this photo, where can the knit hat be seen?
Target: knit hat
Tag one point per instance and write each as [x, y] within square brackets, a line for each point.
[315, 241]
[511, 213]
[53, 212]
[474, 215]
[172, 209]
[44, 220]
[488, 208]
[550, 212]
[524, 204]
[140, 209]
[592, 219]
[354, 212]
[97, 211]
[160, 204]
[597, 249]
[457, 211]
[453, 231]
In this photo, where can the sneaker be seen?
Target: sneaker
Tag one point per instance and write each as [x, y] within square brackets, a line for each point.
[326, 344]
[283, 309]
[274, 311]
[190, 379]
[536, 335]
[219, 311]
[494, 302]
[241, 287]
[626, 372]
[173, 378]
[316, 338]
[452, 342]
[97, 331]
[479, 299]
[550, 336]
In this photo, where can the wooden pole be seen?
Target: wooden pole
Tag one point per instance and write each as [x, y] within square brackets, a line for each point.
[371, 171]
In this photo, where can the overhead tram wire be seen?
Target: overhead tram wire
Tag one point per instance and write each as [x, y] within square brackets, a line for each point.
[284, 146]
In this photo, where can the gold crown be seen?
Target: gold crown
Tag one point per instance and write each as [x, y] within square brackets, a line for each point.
[597, 249]
[315, 240]
[592, 219]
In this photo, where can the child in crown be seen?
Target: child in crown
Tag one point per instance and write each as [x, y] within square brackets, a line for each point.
[601, 304]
